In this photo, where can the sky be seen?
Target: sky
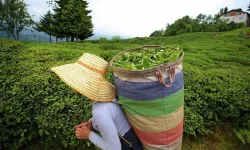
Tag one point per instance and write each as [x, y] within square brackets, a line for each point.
[139, 18]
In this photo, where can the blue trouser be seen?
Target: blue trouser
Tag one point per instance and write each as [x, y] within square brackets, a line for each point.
[133, 142]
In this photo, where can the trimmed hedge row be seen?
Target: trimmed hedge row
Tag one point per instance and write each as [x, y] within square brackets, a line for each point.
[37, 107]
[215, 97]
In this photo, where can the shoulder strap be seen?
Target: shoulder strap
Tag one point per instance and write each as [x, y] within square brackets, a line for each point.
[130, 144]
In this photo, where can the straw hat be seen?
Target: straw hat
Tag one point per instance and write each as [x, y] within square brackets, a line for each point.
[86, 76]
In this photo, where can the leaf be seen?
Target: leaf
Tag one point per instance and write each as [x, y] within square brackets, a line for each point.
[46, 132]
[240, 136]
[88, 143]
[146, 59]
[41, 131]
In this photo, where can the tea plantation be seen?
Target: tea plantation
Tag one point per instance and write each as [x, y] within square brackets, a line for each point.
[39, 111]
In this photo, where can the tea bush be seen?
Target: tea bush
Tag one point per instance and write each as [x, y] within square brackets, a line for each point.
[35, 104]
[37, 107]
[111, 47]
[214, 97]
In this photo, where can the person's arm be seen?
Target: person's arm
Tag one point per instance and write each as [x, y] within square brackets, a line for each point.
[110, 139]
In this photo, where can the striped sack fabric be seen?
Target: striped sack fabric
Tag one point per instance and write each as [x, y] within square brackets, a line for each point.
[153, 101]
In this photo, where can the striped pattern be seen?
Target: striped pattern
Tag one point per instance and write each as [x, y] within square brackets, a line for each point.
[155, 112]
[94, 61]
[174, 146]
[161, 138]
[101, 72]
[148, 90]
[154, 108]
[156, 124]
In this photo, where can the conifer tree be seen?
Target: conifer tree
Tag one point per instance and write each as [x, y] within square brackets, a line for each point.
[45, 25]
[72, 19]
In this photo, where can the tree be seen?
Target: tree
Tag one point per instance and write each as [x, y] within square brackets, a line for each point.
[45, 24]
[103, 39]
[238, 9]
[209, 19]
[225, 10]
[157, 33]
[189, 28]
[222, 25]
[14, 17]
[200, 18]
[71, 19]
[1, 13]
[216, 18]
[170, 30]
[202, 23]
[116, 38]
[184, 25]
[77, 22]
[248, 7]
[221, 11]
[57, 17]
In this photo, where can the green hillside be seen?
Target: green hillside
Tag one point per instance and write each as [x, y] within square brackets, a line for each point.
[38, 110]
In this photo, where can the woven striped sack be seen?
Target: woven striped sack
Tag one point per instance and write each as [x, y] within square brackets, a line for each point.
[153, 102]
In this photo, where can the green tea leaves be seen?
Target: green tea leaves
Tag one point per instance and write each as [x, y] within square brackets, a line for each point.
[146, 59]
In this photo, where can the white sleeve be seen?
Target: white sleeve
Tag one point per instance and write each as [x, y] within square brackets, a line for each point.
[110, 139]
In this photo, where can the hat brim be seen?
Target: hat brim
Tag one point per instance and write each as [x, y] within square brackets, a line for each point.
[86, 82]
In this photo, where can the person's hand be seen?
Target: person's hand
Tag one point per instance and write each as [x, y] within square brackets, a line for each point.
[89, 124]
[85, 124]
[81, 125]
[83, 132]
